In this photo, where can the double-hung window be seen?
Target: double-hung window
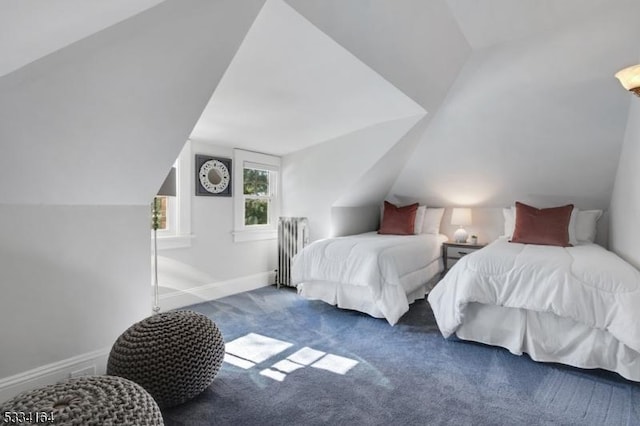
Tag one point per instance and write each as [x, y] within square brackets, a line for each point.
[166, 214]
[259, 186]
[174, 230]
[256, 195]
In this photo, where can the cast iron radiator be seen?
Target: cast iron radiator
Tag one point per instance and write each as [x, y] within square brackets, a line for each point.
[293, 235]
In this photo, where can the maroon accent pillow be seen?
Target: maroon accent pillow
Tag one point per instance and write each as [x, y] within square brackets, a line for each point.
[398, 220]
[542, 226]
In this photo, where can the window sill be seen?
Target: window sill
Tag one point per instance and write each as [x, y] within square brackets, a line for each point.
[169, 242]
[255, 235]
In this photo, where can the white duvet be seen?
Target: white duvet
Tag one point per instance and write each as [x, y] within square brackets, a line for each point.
[390, 266]
[586, 284]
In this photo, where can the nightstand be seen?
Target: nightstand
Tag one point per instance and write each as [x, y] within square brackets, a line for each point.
[452, 252]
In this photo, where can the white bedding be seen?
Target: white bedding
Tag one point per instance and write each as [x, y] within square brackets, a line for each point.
[386, 271]
[577, 305]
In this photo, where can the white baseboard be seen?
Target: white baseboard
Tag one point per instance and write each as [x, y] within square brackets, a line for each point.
[52, 373]
[217, 290]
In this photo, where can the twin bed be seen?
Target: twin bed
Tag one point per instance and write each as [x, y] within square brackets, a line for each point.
[376, 274]
[575, 304]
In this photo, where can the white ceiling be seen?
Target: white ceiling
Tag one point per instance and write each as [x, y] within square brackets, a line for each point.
[489, 22]
[31, 29]
[291, 86]
[122, 101]
[539, 119]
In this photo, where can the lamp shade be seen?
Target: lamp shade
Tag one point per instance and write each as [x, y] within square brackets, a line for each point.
[630, 78]
[461, 216]
[168, 187]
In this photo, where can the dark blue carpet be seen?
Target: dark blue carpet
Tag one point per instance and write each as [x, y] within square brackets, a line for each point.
[405, 375]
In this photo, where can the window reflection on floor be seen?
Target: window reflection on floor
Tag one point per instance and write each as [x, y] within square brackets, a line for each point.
[247, 351]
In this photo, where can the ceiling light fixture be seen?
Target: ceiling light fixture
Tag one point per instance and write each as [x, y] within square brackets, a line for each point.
[630, 79]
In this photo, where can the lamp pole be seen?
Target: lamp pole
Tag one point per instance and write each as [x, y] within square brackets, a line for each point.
[168, 189]
[155, 225]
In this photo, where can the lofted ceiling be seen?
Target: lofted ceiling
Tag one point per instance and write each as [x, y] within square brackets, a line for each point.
[539, 118]
[290, 86]
[265, 101]
[489, 22]
[310, 71]
[32, 29]
[105, 117]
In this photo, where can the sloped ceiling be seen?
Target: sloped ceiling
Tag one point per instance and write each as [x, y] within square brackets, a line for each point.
[372, 186]
[421, 57]
[290, 86]
[415, 44]
[316, 177]
[102, 120]
[538, 118]
[539, 79]
[489, 22]
[30, 30]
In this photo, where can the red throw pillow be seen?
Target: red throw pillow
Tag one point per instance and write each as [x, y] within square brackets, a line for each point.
[542, 226]
[398, 220]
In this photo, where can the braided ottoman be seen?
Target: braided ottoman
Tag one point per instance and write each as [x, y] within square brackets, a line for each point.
[173, 355]
[85, 401]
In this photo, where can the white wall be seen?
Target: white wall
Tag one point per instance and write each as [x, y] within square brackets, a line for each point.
[370, 188]
[87, 136]
[625, 201]
[540, 118]
[313, 179]
[73, 278]
[104, 118]
[214, 260]
[421, 57]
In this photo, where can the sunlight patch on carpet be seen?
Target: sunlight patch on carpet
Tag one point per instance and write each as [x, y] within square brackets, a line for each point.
[251, 349]
[336, 364]
[238, 362]
[273, 374]
[256, 347]
[306, 356]
[287, 366]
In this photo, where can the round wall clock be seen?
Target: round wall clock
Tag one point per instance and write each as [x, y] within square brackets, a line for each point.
[213, 176]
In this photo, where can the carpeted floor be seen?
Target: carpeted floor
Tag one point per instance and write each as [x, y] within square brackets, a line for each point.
[300, 362]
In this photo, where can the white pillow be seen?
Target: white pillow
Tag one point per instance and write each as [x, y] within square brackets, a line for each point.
[509, 221]
[417, 224]
[572, 226]
[586, 222]
[432, 219]
[510, 224]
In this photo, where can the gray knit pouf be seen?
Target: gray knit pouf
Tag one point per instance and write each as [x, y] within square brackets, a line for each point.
[173, 355]
[85, 401]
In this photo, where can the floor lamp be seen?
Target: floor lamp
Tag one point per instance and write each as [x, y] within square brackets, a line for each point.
[168, 189]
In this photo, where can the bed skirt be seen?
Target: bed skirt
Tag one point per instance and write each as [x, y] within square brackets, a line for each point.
[548, 338]
[360, 298]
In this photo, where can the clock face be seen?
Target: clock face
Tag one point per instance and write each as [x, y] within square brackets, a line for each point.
[214, 176]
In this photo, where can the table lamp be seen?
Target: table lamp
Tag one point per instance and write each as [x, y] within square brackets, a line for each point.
[461, 217]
